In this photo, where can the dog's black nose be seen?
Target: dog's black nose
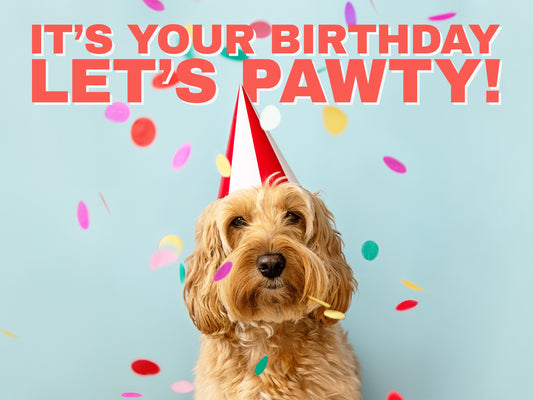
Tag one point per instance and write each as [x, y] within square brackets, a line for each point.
[271, 265]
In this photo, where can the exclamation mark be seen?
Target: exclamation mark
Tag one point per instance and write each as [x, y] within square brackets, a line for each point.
[493, 78]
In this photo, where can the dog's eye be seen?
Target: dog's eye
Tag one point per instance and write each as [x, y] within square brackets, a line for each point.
[238, 222]
[292, 218]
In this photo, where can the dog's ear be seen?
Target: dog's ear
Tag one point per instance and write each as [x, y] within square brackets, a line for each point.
[200, 291]
[327, 244]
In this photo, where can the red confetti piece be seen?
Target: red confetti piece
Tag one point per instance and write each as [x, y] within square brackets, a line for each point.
[105, 204]
[442, 17]
[143, 132]
[394, 396]
[406, 305]
[145, 367]
[262, 29]
[158, 82]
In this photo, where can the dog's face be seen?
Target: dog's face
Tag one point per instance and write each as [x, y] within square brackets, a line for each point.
[284, 248]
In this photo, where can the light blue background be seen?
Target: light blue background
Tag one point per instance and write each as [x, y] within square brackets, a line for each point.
[84, 304]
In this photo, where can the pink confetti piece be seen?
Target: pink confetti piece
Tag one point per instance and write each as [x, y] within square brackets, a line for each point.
[162, 258]
[406, 305]
[223, 271]
[394, 165]
[83, 215]
[155, 5]
[181, 156]
[182, 387]
[442, 17]
[349, 13]
[117, 112]
[393, 395]
[131, 394]
[262, 29]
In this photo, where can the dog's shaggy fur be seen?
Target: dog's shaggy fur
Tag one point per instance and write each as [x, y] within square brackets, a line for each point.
[246, 315]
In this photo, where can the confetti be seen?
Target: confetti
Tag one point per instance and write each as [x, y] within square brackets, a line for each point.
[411, 285]
[182, 387]
[105, 204]
[182, 156]
[320, 301]
[223, 271]
[8, 333]
[349, 13]
[241, 55]
[334, 314]
[442, 17]
[171, 242]
[155, 5]
[394, 165]
[117, 112]
[158, 81]
[83, 215]
[373, 6]
[321, 70]
[262, 29]
[406, 305]
[270, 118]
[143, 132]
[145, 367]
[162, 258]
[335, 120]
[370, 250]
[223, 165]
[189, 29]
[182, 273]
[261, 365]
[131, 394]
[394, 396]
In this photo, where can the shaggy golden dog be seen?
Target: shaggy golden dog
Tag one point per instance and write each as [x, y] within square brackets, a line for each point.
[284, 247]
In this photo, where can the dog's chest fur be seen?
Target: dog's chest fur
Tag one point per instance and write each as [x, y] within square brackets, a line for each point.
[305, 361]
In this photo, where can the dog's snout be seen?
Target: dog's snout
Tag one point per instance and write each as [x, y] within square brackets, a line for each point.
[271, 265]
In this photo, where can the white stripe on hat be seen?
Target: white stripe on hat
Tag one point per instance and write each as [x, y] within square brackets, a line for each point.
[244, 168]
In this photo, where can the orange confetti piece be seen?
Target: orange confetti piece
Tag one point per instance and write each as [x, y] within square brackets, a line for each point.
[411, 285]
[320, 301]
[8, 333]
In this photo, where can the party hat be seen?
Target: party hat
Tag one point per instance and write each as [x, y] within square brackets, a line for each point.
[253, 155]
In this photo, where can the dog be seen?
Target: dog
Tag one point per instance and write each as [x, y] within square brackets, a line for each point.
[284, 247]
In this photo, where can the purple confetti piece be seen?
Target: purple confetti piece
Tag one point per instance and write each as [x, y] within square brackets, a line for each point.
[131, 394]
[349, 13]
[223, 271]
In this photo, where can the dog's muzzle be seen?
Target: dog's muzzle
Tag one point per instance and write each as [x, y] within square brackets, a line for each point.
[271, 265]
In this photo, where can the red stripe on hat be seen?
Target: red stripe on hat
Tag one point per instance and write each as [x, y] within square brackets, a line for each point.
[223, 189]
[267, 159]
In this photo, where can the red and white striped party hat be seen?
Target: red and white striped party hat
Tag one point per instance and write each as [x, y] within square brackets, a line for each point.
[251, 151]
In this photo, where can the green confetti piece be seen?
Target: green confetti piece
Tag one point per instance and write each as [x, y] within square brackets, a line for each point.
[370, 250]
[321, 70]
[261, 365]
[182, 273]
[190, 53]
[241, 55]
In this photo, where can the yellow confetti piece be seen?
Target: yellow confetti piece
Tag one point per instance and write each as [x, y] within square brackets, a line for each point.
[411, 285]
[223, 165]
[320, 301]
[334, 314]
[171, 242]
[8, 333]
[335, 120]
[189, 29]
